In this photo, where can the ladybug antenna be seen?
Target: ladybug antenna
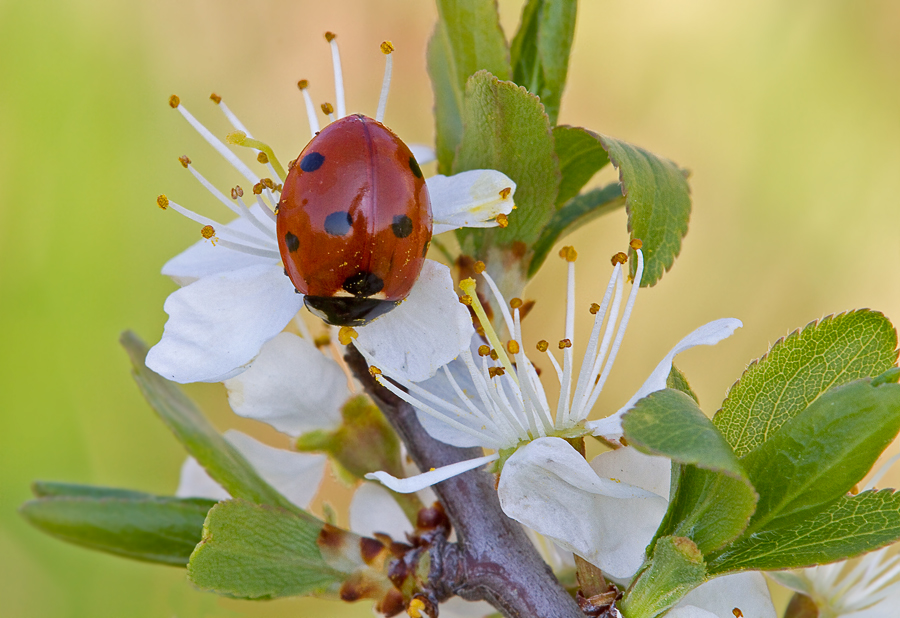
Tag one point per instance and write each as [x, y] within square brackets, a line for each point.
[239, 126]
[386, 48]
[266, 154]
[310, 108]
[338, 74]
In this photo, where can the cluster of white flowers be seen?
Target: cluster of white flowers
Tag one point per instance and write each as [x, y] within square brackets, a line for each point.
[234, 321]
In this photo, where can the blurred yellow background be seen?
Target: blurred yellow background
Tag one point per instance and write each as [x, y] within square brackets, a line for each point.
[787, 113]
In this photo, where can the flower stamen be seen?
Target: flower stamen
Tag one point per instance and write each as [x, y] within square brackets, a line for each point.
[310, 108]
[242, 138]
[338, 74]
[386, 48]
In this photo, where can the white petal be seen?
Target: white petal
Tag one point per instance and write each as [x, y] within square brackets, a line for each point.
[423, 154]
[633, 467]
[291, 386]
[196, 483]
[708, 334]
[219, 323]
[428, 330]
[373, 509]
[295, 475]
[469, 199]
[458, 607]
[203, 258]
[720, 596]
[432, 477]
[689, 611]
[550, 488]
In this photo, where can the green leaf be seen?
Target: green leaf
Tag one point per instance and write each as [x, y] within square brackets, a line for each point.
[711, 506]
[467, 38]
[821, 453]
[675, 569]
[581, 155]
[580, 210]
[799, 368]
[852, 526]
[201, 440]
[678, 381]
[125, 523]
[50, 489]
[658, 201]
[540, 50]
[261, 552]
[506, 129]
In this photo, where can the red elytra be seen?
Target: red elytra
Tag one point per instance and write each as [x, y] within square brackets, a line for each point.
[354, 221]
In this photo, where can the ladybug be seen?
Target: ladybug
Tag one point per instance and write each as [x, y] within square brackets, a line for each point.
[354, 221]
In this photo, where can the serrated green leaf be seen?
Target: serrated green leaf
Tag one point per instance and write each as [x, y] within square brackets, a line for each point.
[799, 368]
[140, 526]
[540, 50]
[658, 201]
[852, 526]
[581, 155]
[254, 551]
[466, 39]
[581, 209]
[675, 569]
[669, 423]
[221, 460]
[710, 506]
[506, 129]
[678, 381]
[821, 453]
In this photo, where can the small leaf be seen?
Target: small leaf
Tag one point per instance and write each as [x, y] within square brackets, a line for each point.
[121, 522]
[261, 552]
[581, 209]
[658, 201]
[581, 155]
[466, 39]
[506, 129]
[678, 381]
[201, 440]
[51, 489]
[675, 569]
[712, 505]
[799, 368]
[852, 526]
[821, 453]
[540, 50]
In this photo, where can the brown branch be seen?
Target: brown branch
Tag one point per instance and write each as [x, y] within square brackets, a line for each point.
[493, 559]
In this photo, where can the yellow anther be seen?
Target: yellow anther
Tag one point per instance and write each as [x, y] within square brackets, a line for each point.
[415, 609]
[258, 189]
[543, 345]
[330, 36]
[479, 267]
[504, 193]
[346, 335]
[162, 201]
[595, 308]
[237, 192]
[327, 109]
[512, 346]
[374, 371]
[466, 300]
[502, 220]
[494, 355]
[493, 372]
[184, 160]
[564, 343]
[387, 47]
[215, 98]
[515, 303]
[262, 157]
[636, 244]
[303, 84]
[737, 610]
[322, 340]
[619, 258]
[208, 232]
[174, 101]
[484, 350]
[267, 183]
[568, 254]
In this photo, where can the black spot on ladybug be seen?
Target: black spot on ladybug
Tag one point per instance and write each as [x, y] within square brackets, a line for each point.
[338, 223]
[363, 284]
[285, 272]
[425, 249]
[312, 162]
[402, 226]
[414, 166]
[296, 291]
[291, 242]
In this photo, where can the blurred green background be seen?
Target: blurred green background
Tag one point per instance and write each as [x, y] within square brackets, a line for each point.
[787, 113]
